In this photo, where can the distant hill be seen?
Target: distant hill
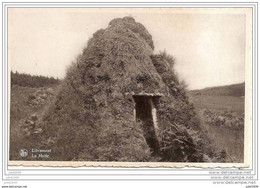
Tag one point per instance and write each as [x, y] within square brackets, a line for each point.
[236, 90]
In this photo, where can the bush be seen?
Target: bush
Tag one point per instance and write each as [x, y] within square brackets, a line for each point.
[181, 144]
[170, 59]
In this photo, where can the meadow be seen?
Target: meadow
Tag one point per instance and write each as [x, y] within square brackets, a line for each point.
[222, 119]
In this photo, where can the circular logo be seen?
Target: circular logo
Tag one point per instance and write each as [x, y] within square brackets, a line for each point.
[23, 152]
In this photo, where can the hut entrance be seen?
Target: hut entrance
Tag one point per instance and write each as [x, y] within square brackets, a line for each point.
[145, 112]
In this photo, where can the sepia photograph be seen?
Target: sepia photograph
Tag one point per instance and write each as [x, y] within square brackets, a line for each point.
[130, 86]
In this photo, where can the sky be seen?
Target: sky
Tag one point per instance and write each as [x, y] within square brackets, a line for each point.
[208, 45]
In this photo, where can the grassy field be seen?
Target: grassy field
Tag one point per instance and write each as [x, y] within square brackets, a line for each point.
[222, 120]
[222, 103]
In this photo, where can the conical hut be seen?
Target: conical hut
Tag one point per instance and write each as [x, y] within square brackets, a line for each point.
[121, 102]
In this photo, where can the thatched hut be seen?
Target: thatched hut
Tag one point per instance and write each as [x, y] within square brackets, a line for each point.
[121, 102]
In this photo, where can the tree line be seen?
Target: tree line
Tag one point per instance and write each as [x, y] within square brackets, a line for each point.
[27, 80]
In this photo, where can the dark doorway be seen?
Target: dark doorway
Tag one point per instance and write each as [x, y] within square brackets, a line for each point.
[145, 112]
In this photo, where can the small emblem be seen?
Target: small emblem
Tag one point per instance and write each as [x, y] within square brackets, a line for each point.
[23, 152]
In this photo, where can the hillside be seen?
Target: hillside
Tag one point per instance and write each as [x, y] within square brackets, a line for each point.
[235, 90]
[28, 104]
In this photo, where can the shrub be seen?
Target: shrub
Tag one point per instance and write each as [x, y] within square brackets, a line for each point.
[170, 59]
[181, 144]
